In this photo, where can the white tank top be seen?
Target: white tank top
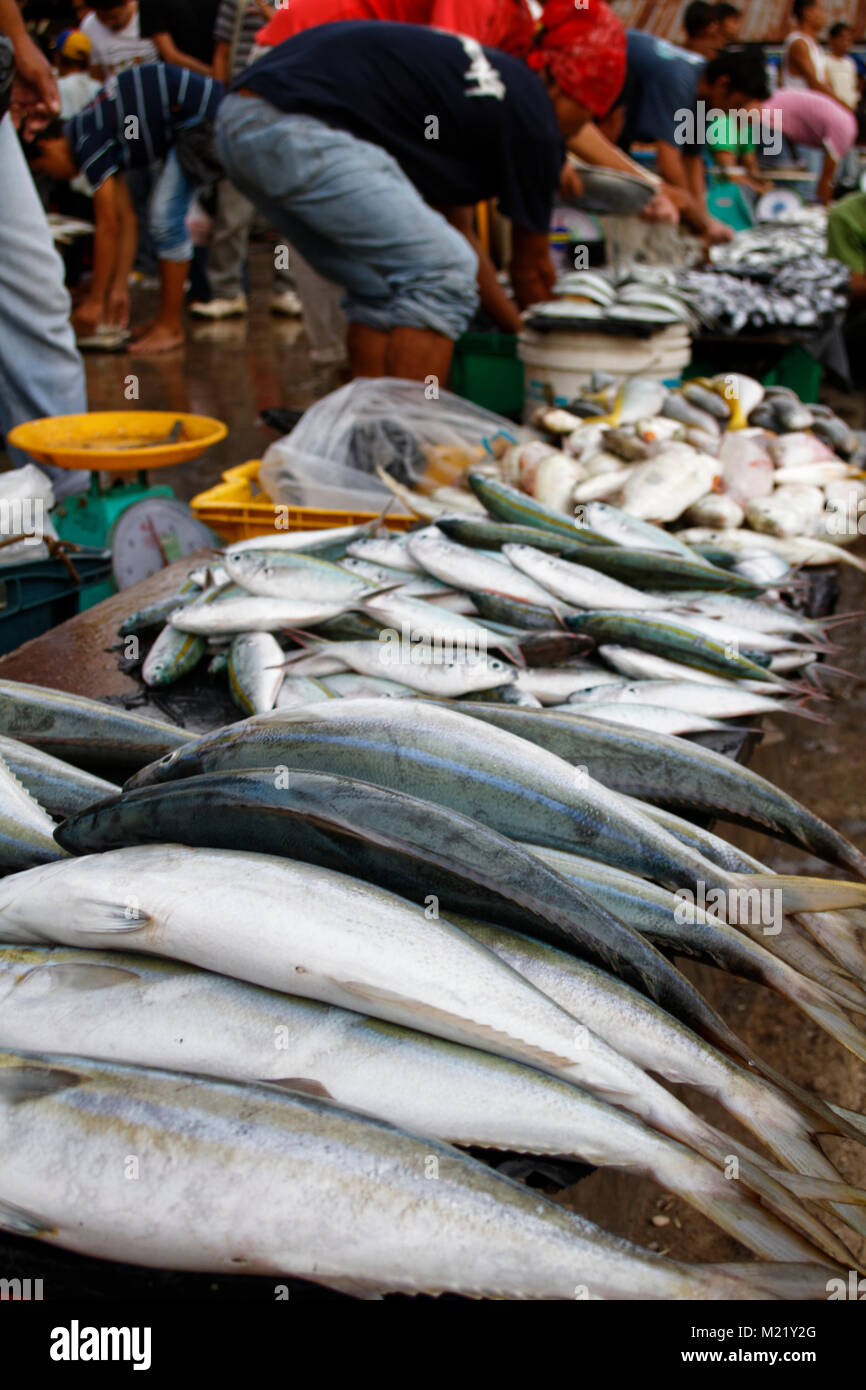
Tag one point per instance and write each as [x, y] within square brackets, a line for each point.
[818, 62]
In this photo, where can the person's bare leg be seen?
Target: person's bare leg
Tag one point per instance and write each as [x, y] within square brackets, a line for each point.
[367, 350]
[416, 353]
[166, 331]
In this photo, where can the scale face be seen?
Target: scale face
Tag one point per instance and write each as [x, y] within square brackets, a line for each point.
[150, 535]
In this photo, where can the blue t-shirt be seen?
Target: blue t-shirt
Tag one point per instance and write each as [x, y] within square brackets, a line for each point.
[463, 122]
[661, 82]
[134, 118]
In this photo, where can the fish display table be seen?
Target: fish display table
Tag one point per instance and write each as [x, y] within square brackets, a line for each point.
[80, 656]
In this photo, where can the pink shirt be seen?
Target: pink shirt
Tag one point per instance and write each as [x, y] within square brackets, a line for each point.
[811, 118]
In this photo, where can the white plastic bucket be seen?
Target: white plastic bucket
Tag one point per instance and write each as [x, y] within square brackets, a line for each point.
[561, 364]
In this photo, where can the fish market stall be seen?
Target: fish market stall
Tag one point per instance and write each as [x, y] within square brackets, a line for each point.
[432, 832]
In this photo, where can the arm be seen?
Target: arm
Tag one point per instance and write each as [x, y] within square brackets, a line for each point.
[591, 145]
[493, 297]
[221, 61]
[35, 98]
[106, 233]
[801, 64]
[532, 272]
[685, 173]
[170, 53]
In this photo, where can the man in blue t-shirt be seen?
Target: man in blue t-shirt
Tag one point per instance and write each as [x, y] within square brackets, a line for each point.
[661, 105]
[141, 115]
[345, 135]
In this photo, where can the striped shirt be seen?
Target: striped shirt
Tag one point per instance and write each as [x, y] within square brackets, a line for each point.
[134, 118]
[226, 24]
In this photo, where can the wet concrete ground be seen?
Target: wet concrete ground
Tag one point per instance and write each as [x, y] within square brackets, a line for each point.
[234, 369]
[230, 369]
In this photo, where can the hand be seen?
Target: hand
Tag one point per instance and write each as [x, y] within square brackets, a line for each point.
[661, 208]
[532, 280]
[35, 98]
[716, 232]
[570, 183]
[118, 307]
[266, 11]
[87, 317]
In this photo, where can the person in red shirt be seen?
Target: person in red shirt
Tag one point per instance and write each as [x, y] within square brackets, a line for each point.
[505, 24]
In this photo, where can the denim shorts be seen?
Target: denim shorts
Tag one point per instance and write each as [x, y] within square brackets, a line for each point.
[346, 205]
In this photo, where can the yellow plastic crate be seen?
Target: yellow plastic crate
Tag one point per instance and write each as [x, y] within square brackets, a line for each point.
[236, 510]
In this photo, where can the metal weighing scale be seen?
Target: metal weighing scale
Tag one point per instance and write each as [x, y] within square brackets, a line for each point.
[143, 525]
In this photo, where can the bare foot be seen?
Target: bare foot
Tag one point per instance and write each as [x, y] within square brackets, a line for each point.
[141, 329]
[159, 339]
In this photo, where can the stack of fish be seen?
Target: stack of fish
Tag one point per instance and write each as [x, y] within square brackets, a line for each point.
[719, 453]
[521, 603]
[369, 931]
[749, 287]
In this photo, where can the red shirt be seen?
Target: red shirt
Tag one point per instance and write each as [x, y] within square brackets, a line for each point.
[505, 24]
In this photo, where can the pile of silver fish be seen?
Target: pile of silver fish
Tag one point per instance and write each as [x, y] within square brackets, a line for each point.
[299, 965]
[516, 604]
[752, 285]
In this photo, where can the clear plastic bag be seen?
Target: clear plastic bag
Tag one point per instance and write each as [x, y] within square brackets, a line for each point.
[329, 459]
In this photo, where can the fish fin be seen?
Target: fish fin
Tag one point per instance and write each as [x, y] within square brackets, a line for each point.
[852, 1119]
[793, 1282]
[802, 894]
[75, 975]
[819, 1189]
[20, 1221]
[98, 916]
[27, 1080]
[308, 1087]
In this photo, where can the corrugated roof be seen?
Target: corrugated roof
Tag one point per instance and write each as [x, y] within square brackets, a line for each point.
[764, 21]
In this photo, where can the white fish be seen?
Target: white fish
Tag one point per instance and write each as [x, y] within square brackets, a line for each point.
[788, 450]
[639, 665]
[662, 488]
[243, 1178]
[713, 701]
[472, 569]
[444, 670]
[789, 511]
[384, 550]
[717, 509]
[796, 550]
[597, 464]
[26, 830]
[555, 480]
[579, 585]
[255, 671]
[296, 691]
[747, 468]
[816, 474]
[555, 685]
[650, 717]
[602, 485]
[247, 613]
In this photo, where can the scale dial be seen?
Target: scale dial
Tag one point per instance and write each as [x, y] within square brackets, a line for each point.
[151, 534]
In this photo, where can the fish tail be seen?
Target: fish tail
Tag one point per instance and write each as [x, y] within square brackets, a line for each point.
[794, 1282]
[830, 1017]
[787, 1206]
[799, 708]
[852, 1118]
[815, 1189]
[803, 894]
